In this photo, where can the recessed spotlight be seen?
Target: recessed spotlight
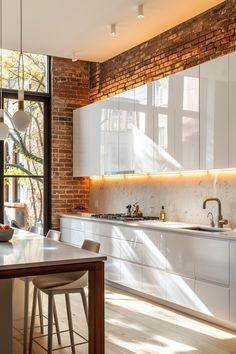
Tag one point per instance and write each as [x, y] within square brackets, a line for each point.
[113, 30]
[140, 12]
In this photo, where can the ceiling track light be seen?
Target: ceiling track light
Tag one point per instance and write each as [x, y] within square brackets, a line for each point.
[113, 32]
[4, 130]
[140, 12]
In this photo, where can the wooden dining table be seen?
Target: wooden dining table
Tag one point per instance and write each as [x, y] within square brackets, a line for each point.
[29, 254]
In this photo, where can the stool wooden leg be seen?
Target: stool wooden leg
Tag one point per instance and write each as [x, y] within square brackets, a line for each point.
[56, 323]
[33, 319]
[40, 312]
[50, 322]
[84, 300]
[70, 323]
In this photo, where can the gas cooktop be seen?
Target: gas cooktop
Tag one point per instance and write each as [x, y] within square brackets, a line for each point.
[123, 217]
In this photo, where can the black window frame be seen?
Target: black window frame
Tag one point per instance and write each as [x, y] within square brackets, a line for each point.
[46, 99]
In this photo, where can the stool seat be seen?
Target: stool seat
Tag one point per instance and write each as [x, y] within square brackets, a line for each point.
[61, 281]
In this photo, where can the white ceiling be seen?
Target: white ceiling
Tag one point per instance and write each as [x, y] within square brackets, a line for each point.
[61, 27]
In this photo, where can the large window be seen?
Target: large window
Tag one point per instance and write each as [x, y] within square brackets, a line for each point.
[25, 156]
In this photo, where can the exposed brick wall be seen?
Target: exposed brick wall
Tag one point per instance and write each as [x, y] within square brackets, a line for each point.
[70, 90]
[204, 37]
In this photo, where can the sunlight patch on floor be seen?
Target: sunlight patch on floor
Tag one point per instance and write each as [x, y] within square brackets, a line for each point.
[154, 311]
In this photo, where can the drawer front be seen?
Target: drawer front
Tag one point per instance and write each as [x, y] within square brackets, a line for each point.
[130, 234]
[108, 246]
[131, 275]
[70, 223]
[154, 249]
[112, 269]
[212, 260]
[131, 251]
[74, 237]
[180, 254]
[154, 282]
[180, 290]
[102, 229]
[212, 299]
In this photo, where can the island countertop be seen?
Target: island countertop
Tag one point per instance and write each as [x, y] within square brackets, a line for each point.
[28, 250]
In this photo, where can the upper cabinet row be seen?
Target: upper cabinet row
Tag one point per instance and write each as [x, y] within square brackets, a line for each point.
[186, 121]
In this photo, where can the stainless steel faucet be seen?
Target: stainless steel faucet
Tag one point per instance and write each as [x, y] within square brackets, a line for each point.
[221, 220]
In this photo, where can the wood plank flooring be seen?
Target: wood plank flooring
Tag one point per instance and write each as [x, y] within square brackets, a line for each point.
[135, 326]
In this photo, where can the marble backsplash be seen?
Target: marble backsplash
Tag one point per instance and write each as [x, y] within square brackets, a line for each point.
[182, 195]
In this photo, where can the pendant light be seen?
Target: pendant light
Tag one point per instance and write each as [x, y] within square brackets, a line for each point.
[21, 119]
[4, 130]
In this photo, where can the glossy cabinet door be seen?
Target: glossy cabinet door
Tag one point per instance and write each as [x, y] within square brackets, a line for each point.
[163, 126]
[186, 119]
[127, 130]
[87, 140]
[212, 299]
[143, 129]
[214, 123]
[131, 275]
[211, 259]
[154, 282]
[110, 135]
[154, 249]
[180, 254]
[232, 110]
[180, 290]
[232, 281]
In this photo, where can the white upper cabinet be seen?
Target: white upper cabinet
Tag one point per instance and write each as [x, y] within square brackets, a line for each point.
[87, 140]
[110, 135]
[232, 110]
[214, 125]
[186, 120]
[163, 127]
[127, 129]
[143, 129]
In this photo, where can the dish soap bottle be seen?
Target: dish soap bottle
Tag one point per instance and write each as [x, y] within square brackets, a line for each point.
[162, 214]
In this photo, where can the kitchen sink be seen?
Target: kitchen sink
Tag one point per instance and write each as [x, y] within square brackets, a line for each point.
[207, 229]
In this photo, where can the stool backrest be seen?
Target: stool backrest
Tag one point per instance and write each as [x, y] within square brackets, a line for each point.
[54, 235]
[91, 246]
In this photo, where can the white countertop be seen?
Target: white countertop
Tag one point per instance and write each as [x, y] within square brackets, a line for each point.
[171, 226]
[27, 250]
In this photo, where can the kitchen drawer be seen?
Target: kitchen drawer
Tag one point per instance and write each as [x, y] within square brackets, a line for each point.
[112, 269]
[103, 229]
[211, 260]
[212, 299]
[108, 246]
[74, 237]
[180, 254]
[180, 290]
[154, 249]
[131, 275]
[154, 282]
[131, 251]
[70, 223]
[130, 234]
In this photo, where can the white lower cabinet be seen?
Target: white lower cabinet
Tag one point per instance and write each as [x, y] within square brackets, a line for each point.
[154, 249]
[211, 259]
[212, 299]
[180, 290]
[179, 254]
[74, 237]
[154, 282]
[112, 270]
[131, 251]
[131, 275]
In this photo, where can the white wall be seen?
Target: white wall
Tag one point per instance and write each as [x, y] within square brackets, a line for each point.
[182, 196]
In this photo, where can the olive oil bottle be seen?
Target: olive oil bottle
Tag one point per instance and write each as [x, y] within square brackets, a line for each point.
[162, 214]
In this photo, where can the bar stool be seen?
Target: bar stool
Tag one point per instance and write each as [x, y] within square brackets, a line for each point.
[65, 283]
[54, 235]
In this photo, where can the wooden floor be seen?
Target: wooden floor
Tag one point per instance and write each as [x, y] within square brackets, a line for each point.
[134, 326]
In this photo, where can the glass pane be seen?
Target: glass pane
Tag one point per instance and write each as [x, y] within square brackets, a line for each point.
[35, 71]
[23, 203]
[23, 153]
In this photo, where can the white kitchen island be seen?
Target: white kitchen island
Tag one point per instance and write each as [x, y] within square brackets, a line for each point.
[29, 254]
